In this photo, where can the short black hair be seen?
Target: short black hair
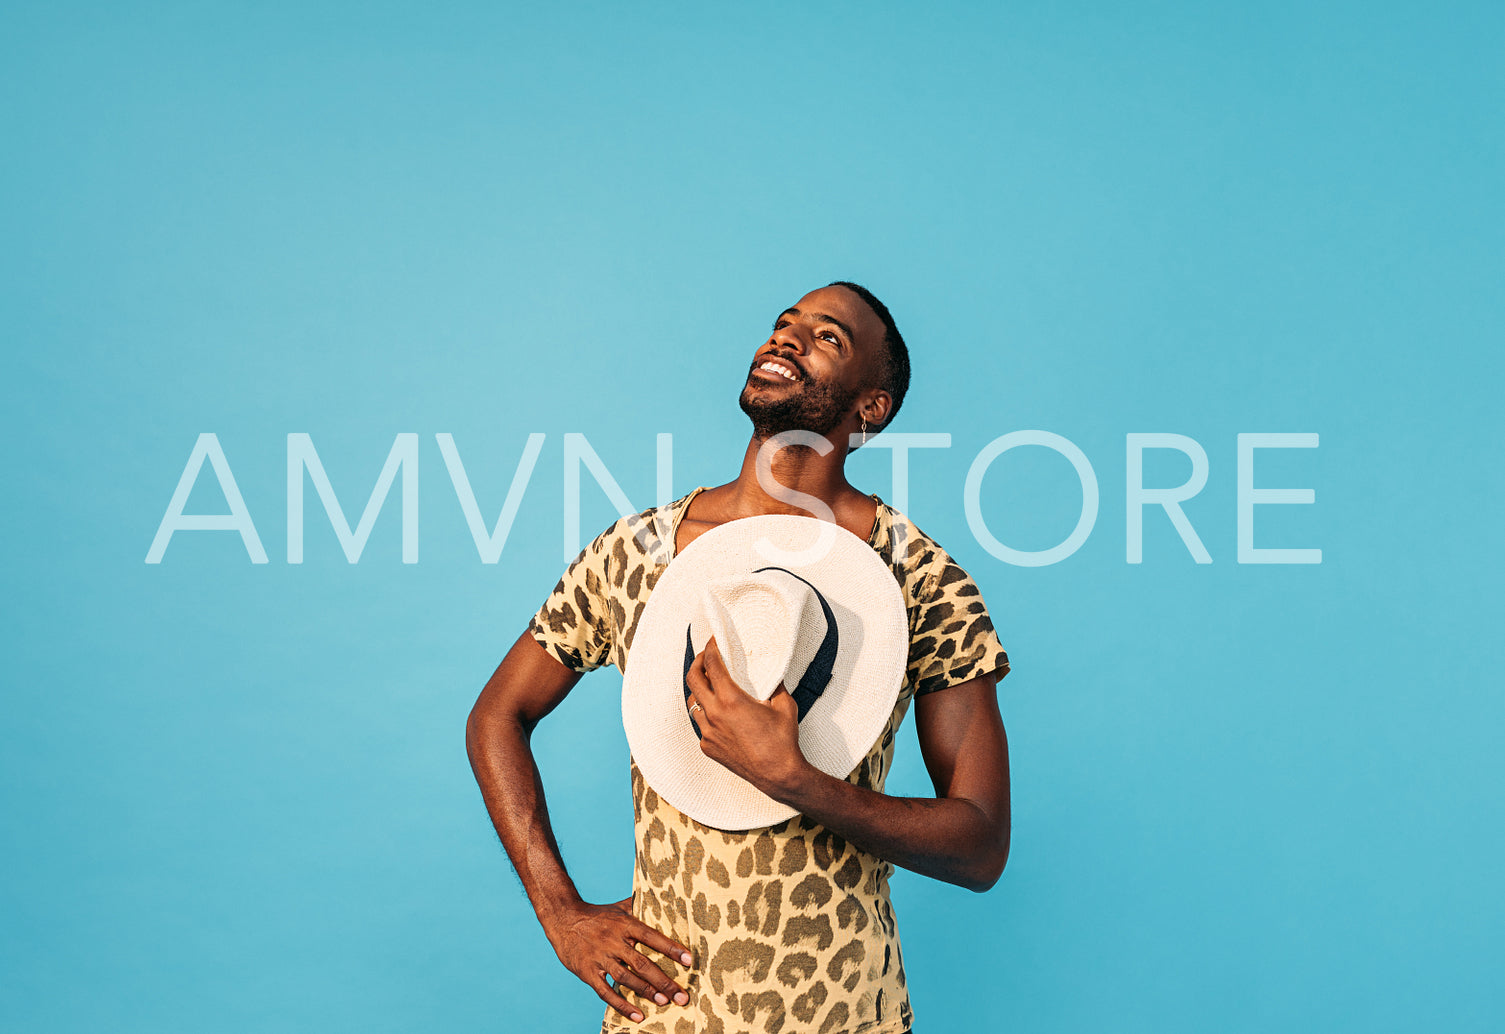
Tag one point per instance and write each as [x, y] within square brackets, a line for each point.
[896, 363]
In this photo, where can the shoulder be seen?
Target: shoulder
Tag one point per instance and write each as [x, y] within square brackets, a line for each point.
[952, 638]
[921, 564]
[592, 608]
[633, 546]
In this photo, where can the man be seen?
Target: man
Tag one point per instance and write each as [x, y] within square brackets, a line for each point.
[789, 927]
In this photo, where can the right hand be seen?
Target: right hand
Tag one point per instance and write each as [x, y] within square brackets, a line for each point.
[597, 942]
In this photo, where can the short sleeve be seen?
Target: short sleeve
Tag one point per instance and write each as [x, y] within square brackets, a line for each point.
[952, 639]
[574, 623]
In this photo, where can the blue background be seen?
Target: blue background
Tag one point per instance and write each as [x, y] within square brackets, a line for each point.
[1247, 798]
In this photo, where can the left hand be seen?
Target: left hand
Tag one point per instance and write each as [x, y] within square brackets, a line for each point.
[757, 740]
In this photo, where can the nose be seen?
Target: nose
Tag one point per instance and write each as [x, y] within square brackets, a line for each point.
[791, 338]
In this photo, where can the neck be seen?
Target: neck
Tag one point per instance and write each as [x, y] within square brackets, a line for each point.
[795, 469]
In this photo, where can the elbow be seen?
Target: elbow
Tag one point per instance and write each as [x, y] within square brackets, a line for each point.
[480, 731]
[487, 729]
[989, 873]
[988, 866]
[473, 733]
[985, 875]
[980, 877]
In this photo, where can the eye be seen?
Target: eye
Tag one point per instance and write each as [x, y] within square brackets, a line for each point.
[831, 336]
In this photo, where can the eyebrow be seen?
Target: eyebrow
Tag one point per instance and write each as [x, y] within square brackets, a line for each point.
[821, 317]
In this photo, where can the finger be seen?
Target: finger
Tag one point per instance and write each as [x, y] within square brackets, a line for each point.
[663, 987]
[717, 673]
[608, 994]
[648, 937]
[622, 976]
[704, 667]
[700, 686]
[715, 664]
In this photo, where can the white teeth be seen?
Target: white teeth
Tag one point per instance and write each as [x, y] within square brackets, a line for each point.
[780, 369]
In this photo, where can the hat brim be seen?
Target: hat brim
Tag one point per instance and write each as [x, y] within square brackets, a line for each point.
[840, 727]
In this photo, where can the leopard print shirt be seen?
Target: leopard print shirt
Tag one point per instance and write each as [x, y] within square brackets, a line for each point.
[791, 926]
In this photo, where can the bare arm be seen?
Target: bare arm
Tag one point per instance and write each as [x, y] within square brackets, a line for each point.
[593, 941]
[960, 836]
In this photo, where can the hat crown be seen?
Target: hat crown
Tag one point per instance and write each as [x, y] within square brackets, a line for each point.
[842, 659]
[768, 624]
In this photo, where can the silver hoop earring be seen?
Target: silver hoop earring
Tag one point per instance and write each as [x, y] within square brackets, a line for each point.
[864, 432]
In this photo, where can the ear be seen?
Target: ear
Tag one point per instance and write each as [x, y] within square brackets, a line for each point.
[875, 407]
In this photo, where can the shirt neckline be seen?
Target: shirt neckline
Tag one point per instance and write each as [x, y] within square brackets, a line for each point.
[873, 535]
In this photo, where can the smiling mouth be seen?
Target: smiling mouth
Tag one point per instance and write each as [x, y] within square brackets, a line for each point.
[782, 369]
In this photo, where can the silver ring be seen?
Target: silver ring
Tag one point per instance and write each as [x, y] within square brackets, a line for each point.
[696, 707]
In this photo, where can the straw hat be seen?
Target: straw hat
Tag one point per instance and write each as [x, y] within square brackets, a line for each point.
[790, 600]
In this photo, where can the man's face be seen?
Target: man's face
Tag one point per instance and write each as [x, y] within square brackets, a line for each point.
[825, 351]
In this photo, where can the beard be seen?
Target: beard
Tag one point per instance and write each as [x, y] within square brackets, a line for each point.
[813, 407]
